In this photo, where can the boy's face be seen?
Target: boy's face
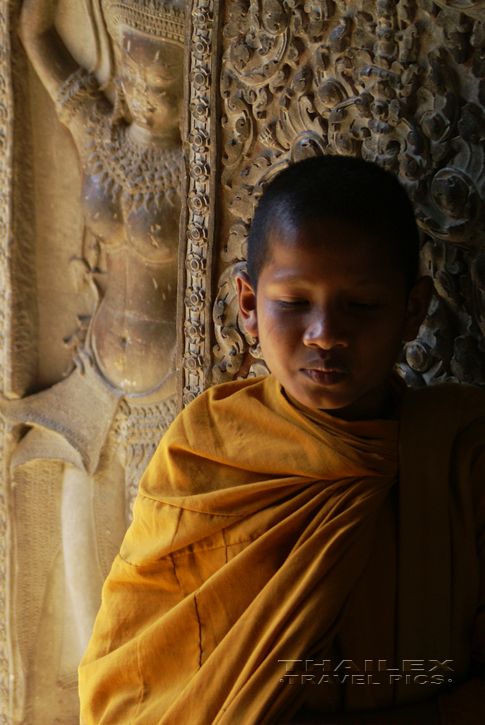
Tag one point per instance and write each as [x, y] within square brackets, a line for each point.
[330, 312]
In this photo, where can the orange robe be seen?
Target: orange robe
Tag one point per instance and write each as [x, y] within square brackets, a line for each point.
[254, 523]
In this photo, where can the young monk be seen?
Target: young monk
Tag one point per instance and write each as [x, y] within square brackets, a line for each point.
[305, 546]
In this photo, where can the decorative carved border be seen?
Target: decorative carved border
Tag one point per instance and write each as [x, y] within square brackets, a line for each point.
[198, 219]
[6, 101]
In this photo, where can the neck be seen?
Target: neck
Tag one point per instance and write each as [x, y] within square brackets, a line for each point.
[169, 139]
[378, 403]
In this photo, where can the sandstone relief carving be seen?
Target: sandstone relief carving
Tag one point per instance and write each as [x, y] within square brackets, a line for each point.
[399, 83]
[202, 188]
[87, 439]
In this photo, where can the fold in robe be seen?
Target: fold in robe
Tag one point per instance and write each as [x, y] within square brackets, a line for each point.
[253, 523]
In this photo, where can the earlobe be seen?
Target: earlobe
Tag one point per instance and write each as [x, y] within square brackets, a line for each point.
[247, 303]
[417, 307]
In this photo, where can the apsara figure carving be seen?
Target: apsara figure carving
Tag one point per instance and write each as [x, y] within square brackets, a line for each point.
[119, 395]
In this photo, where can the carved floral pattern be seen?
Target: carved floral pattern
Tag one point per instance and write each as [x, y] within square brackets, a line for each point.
[399, 83]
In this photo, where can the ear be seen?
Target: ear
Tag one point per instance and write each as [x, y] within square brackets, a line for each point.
[247, 303]
[417, 307]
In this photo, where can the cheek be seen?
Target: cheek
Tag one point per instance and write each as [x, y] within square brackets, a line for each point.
[167, 103]
[280, 335]
[172, 95]
[388, 342]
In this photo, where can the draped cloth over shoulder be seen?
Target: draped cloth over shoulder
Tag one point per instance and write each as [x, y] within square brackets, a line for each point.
[253, 523]
[438, 582]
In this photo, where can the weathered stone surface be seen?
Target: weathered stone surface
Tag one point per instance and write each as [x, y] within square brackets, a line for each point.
[399, 83]
[90, 313]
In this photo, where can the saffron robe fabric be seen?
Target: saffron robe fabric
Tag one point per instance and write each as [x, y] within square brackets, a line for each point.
[254, 522]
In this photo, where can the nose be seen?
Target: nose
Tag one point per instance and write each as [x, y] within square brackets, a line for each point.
[139, 94]
[326, 329]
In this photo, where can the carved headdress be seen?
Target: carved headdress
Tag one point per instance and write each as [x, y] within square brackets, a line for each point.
[160, 19]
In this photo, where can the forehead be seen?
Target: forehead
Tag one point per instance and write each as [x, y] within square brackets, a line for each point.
[145, 50]
[332, 247]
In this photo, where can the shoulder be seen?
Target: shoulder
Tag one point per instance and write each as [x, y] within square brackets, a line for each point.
[222, 414]
[232, 390]
[460, 404]
[448, 392]
[210, 433]
[231, 399]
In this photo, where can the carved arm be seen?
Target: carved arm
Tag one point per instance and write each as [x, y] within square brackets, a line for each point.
[48, 54]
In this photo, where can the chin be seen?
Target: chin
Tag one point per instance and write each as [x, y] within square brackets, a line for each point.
[329, 399]
[335, 405]
[316, 402]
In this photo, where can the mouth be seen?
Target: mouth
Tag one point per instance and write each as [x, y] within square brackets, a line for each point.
[142, 107]
[324, 376]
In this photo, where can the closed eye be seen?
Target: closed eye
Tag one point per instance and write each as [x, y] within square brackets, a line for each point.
[165, 71]
[292, 304]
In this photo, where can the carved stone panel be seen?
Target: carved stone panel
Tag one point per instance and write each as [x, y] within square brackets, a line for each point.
[93, 172]
[399, 83]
